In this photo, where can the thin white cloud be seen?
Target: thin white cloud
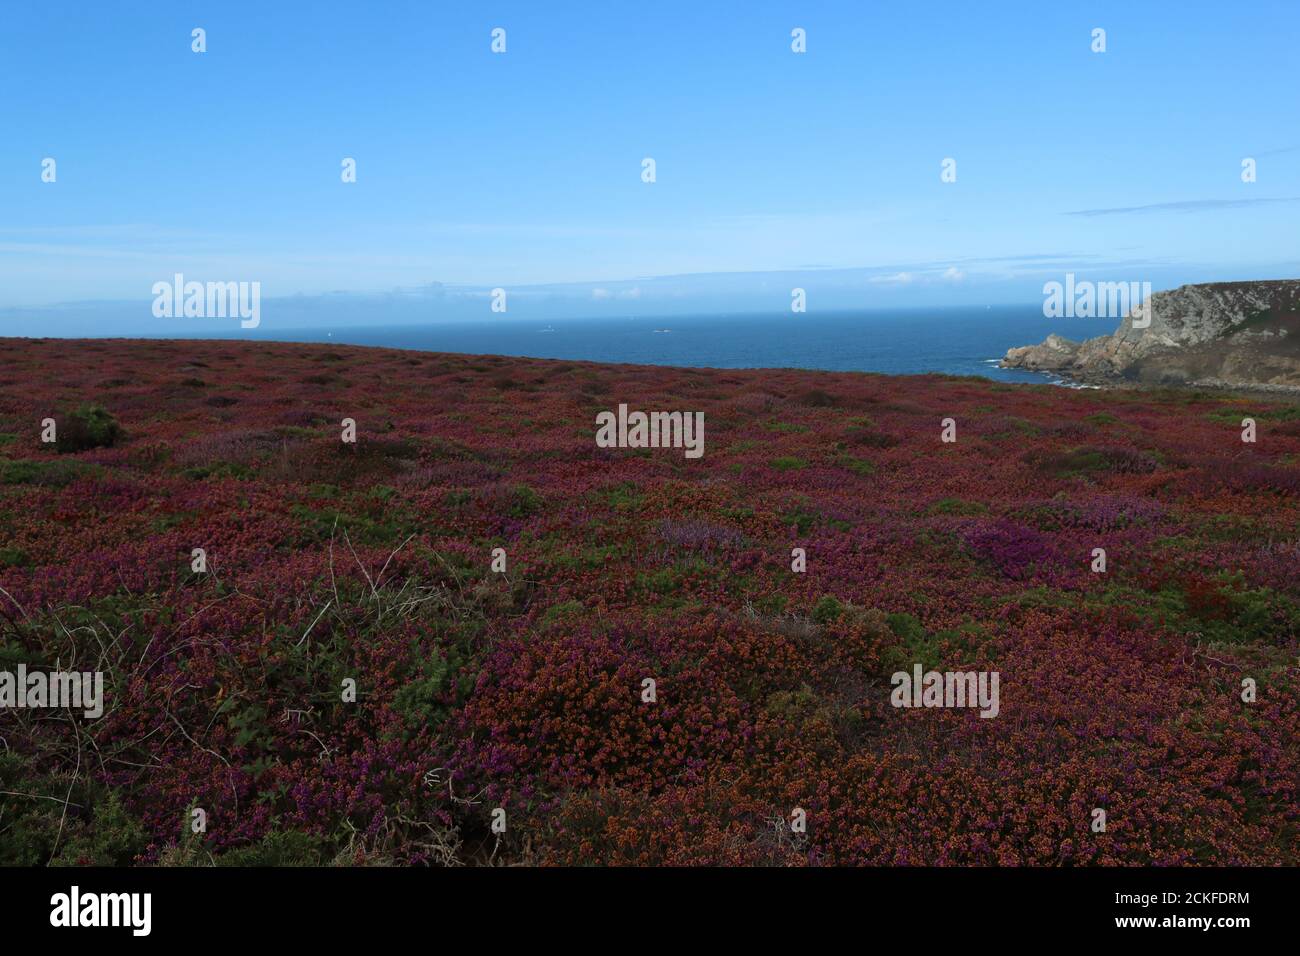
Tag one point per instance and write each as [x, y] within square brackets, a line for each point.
[1186, 205]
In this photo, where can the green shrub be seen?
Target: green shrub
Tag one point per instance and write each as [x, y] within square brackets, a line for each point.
[819, 399]
[524, 501]
[669, 580]
[917, 646]
[565, 610]
[419, 700]
[624, 496]
[789, 428]
[90, 426]
[1233, 414]
[112, 837]
[52, 474]
[956, 506]
[95, 831]
[14, 558]
[859, 466]
[281, 848]
[827, 610]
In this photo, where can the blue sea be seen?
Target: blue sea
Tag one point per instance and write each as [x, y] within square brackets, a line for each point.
[954, 341]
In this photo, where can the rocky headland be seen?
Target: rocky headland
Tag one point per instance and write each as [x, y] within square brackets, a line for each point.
[1225, 334]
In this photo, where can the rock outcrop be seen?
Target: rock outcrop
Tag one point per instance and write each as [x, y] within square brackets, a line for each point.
[1223, 333]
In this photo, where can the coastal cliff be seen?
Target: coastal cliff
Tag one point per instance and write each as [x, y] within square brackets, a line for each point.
[1222, 333]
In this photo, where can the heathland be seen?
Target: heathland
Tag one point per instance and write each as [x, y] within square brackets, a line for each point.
[433, 644]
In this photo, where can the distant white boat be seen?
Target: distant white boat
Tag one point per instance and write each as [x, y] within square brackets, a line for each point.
[663, 330]
[547, 329]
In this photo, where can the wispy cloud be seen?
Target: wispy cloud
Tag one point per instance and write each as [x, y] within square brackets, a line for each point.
[600, 293]
[1187, 205]
[1277, 152]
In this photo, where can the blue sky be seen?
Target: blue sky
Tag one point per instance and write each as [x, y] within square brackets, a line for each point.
[522, 170]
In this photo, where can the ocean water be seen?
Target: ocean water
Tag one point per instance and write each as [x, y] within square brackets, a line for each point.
[955, 341]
